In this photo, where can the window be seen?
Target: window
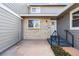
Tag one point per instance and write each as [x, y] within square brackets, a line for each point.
[34, 23]
[75, 22]
[74, 19]
[35, 9]
[30, 23]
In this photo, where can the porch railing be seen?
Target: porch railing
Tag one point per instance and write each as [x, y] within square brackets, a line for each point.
[56, 36]
[69, 33]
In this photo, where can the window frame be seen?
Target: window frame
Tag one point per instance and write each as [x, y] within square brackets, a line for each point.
[37, 11]
[71, 19]
[34, 24]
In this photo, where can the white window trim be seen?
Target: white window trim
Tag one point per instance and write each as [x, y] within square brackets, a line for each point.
[36, 11]
[71, 18]
[34, 27]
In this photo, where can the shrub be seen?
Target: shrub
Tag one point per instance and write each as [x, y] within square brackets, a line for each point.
[59, 51]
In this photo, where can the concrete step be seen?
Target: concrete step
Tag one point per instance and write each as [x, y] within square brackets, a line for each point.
[63, 42]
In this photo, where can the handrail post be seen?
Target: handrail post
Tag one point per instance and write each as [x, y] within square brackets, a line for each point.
[66, 35]
[51, 41]
[72, 41]
[67, 32]
[58, 39]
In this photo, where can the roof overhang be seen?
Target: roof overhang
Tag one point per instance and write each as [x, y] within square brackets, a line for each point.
[66, 8]
[47, 15]
[47, 4]
[38, 15]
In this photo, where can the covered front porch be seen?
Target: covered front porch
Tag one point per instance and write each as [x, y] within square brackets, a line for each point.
[46, 28]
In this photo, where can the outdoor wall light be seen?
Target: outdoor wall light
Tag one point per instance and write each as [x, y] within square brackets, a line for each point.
[46, 21]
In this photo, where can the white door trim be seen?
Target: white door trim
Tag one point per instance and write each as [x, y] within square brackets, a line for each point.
[55, 28]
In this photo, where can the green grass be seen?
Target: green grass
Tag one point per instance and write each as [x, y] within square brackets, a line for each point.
[58, 51]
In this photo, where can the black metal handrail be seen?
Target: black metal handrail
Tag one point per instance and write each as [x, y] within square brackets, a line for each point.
[68, 32]
[57, 36]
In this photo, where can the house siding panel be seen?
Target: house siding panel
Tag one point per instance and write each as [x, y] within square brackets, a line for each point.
[23, 8]
[64, 23]
[19, 8]
[10, 29]
[49, 9]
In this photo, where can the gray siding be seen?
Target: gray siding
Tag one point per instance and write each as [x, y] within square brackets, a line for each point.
[50, 9]
[23, 8]
[10, 29]
[19, 8]
[64, 23]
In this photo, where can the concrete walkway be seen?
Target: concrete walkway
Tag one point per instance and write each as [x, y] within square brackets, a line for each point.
[30, 48]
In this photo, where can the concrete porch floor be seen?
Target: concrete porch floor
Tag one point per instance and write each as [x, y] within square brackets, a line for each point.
[30, 48]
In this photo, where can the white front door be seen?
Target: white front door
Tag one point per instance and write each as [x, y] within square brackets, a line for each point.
[53, 26]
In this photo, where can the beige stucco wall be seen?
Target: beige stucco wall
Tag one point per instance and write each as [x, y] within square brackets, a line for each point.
[42, 33]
